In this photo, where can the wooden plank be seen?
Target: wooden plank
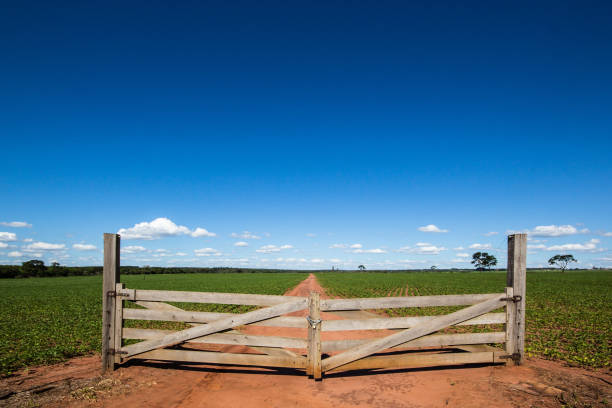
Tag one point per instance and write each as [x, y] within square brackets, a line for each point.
[224, 358]
[416, 360]
[510, 345]
[207, 317]
[212, 297]
[406, 301]
[314, 336]
[404, 322]
[221, 338]
[117, 341]
[110, 277]
[516, 278]
[421, 330]
[216, 326]
[433, 340]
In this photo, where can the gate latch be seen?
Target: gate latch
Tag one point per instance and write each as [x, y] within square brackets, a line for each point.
[113, 351]
[313, 323]
[112, 293]
[515, 298]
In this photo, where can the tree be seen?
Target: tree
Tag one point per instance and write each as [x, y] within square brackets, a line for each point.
[33, 267]
[361, 268]
[562, 261]
[433, 267]
[483, 261]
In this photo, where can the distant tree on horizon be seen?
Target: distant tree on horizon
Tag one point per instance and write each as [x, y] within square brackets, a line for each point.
[361, 267]
[483, 261]
[562, 261]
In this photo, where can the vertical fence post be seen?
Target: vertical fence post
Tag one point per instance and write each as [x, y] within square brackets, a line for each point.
[516, 279]
[314, 336]
[110, 278]
[118, 337]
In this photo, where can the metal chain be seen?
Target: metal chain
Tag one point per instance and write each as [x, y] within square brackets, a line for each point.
[313, 323]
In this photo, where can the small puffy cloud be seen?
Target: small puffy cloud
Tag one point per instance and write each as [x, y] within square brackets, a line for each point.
[356, 246]
[587, 246]
[311, 235]
[422, 248]
[338, 246]
[369, 251]
[8, 236]
[556, 231]
[16, 224]
[462, 255]
[317, 260]
[84, 247]
[206, 252]
[607, 234]
[490, 233]
[202, 232]
[15, 254]
[481, 246]
[133, 249]
[431, 228]
[241, 244]
[245, 235]
[160, 228]
[266, 249]
[3, 245]
[459, 248]
[536, 246]
[44, 246]
[28, 240]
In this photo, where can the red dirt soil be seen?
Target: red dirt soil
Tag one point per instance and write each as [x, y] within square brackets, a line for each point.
[77, 383]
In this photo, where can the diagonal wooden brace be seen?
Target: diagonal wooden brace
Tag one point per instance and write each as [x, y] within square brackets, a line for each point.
[420, 330]
[214, 327]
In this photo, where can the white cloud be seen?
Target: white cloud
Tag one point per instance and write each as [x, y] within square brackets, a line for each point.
[587, 246]
[459, 248]
[491, 233]
[338, 246]
[159, 228]
[8, 236]
[369, 251]
[607, 234]
[431, 228]
[16, 224]
[181, 254]
[536, 246]
[423, 248]
[462, 255]
[245, 235]
[481, 246]
[28, 240]
[266, 249]
[132, 249]
[335, 260]
[15, 254]
[241, 244]
[356, 246]
[317, 260]
[556, 230]
[311, 235]
[202, 232]
[84, 247]
[3, 245]
[206, 252]
[44, 246]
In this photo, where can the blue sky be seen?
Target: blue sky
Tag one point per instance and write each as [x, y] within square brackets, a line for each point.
[332, 133]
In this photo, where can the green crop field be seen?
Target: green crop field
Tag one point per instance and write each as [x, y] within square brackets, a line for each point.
[569, 315]
[47, 320]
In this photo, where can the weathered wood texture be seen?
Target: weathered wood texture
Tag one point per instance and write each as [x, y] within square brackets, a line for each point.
[517, 279]
[406, 301]
[221, 338]
[405, 322]
[207, 317]
[118, 337]
[224, 358]
[216, 326]
[427, 360]
[423, 329]
[433, 340]
[110, 277]
[314, 336]
[209, 297]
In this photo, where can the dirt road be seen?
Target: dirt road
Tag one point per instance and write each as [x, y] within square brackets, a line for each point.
[154, 384]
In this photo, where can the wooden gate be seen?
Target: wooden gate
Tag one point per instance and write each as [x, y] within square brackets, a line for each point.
[317, 347]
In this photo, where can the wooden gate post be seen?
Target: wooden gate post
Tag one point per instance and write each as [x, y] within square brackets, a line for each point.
[516, 279]
[314, 336]
[110, 278]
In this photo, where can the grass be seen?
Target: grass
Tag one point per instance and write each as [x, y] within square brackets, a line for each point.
[569, 315]
[47, 320]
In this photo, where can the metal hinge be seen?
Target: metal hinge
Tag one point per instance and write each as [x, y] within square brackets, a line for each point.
[313, 323]
[515, 298]
[112, 293]
[113, 351]
[514, 356]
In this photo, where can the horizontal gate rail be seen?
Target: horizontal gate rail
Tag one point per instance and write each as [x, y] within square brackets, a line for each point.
[335, 342]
